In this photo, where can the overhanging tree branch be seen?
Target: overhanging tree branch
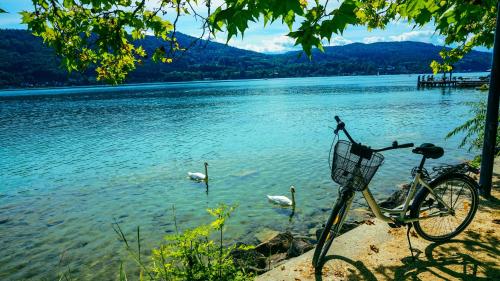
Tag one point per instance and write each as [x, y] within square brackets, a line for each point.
[464, 24]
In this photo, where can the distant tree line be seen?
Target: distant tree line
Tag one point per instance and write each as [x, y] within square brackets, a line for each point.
[26, 62]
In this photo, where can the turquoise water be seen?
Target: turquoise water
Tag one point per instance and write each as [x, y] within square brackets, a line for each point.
[74, 160]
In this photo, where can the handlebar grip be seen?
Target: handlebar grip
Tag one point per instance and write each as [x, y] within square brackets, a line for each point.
[340, 126]
[405, 145]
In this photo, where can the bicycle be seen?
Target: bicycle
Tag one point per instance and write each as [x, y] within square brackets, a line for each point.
[431, 205]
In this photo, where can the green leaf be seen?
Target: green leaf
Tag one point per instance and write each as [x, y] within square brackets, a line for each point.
[414, 7]
[26, 17]
[123, 275]
[137, 34]
[449, 14]
[68, 4]
[423, 17]
[289, 19]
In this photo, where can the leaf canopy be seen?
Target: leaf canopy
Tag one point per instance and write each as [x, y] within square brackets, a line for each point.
[101, 34]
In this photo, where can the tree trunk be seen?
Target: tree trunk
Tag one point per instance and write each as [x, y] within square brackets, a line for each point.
[491, 126]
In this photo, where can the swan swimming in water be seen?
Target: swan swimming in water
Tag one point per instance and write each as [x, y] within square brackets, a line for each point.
[200, 176]
[283, 200]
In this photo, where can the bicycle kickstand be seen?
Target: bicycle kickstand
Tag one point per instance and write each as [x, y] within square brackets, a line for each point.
[409, 241]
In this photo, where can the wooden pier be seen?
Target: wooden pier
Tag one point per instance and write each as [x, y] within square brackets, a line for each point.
[430, 81]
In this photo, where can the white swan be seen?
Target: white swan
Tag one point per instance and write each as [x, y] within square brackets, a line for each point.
[200, 176]
[283, 200]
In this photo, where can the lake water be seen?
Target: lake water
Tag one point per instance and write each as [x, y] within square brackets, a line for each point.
[74, 160]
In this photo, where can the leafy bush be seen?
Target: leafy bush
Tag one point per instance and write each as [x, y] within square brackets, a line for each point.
[474, 130]
[191, 255]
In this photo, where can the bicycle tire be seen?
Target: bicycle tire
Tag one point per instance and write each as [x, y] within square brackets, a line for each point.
[326, 236]
[422, 196]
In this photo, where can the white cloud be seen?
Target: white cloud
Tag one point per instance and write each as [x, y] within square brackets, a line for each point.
[427, 36]
[414, 35]
[338, 41]
[265, 44]
[373, 39]
[275, 44]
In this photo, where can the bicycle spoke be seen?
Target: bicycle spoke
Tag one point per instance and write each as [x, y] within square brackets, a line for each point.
[455, 192]
[458, 196]
[451, 195]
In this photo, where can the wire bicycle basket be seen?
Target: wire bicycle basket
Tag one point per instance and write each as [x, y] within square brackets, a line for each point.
[345, 168]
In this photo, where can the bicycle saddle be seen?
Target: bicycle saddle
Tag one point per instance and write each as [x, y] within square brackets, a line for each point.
[429, 150]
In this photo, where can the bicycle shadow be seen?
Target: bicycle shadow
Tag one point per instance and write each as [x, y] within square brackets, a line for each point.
[440, 260]
[473, 256]
[448, 259]
[361, 272]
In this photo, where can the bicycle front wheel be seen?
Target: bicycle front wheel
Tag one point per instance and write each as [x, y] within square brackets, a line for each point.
[436, 222]
[330, 231]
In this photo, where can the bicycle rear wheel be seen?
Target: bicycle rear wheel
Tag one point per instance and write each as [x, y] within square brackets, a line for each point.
[331, 230]
[457, 191]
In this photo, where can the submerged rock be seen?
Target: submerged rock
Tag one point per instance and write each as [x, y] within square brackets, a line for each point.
[313, 232]
[266, 234]
[54, 222]
[246, 173]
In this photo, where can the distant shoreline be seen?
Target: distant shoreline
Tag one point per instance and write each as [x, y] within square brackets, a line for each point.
[216, 61]
[171, 84]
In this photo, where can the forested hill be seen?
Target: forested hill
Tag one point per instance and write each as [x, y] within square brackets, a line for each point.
[25, 62]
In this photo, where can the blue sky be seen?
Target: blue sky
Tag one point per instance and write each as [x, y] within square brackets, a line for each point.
[270, 39]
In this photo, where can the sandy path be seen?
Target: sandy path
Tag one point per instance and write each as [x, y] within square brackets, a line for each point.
[377, 252]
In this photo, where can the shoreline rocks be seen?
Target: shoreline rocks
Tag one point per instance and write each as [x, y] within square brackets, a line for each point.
[277, 247]
[272, 252]
[397, 198]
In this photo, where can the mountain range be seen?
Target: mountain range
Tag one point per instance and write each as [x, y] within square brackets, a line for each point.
[26, 62]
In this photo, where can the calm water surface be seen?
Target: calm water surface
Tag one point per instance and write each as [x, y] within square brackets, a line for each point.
[74, 160]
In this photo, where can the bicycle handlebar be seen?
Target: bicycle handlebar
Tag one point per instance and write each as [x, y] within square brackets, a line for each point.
[395, 145]
[406, 145]
[341, 127]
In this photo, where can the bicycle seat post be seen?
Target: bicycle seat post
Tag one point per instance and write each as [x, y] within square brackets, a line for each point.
[421, 166]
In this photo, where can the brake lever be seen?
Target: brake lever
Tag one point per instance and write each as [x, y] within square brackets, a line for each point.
[335, 131]
[340, 126]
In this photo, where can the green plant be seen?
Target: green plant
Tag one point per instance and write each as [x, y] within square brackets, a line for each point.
[476, 161]
[474, 127]
[191, 255]
[473, 130]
